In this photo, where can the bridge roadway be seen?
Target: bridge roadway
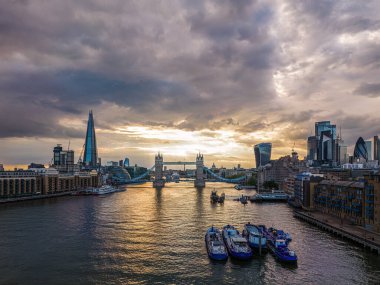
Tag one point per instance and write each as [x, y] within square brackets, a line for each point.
[178, 163]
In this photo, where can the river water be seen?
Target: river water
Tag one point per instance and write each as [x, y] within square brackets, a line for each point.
[149, 236]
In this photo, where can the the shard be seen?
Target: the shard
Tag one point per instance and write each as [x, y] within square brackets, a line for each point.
[90, 156]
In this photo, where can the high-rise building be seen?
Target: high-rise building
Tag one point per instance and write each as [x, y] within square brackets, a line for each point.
[262, 153]
[63, 160]
[368, 145]
[1, 167]
[376, 148]
[126, 162]
[326, 141]
[360, 151]
[57, 154]
[90, 157]
[341, 151]
[312, 148]
[323, 146]
[343, 155]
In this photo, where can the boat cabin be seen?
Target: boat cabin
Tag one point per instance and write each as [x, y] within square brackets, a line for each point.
[280, 243]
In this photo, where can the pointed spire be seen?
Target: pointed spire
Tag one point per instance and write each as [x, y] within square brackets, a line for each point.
[90, 157]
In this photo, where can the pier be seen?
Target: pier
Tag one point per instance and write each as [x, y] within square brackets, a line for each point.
[366, 239]
[36, 197]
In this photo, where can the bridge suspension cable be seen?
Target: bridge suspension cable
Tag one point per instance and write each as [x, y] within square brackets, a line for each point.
[220, 178]
[138, 178]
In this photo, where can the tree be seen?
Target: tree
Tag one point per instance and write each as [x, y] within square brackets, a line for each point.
[270, 185]
[252, 181]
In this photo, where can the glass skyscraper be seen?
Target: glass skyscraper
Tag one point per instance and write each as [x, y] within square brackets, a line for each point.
[360, 151]
[323, 146]
[376, 148]
[262, 153]
[90, 157]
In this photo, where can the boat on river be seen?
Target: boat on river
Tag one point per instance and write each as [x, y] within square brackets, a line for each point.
[214, 197]
[237, 245]
[105, 189]
[280, 234]
[274, 196]
[214, 244]
[243, 199]
[279, 248]
[221, 198]
[255, 236]
[238, 187]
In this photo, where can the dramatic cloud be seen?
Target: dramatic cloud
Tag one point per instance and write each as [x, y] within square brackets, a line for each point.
[368, 89]
[221, 75]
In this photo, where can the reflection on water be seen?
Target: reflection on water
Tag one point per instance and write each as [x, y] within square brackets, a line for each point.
[147, 235]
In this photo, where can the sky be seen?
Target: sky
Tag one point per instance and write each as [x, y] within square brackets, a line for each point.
[183, 77]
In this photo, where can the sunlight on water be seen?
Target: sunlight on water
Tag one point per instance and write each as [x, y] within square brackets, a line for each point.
[146, 235]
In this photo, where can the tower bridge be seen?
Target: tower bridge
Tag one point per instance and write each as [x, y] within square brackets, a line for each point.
[199, 181]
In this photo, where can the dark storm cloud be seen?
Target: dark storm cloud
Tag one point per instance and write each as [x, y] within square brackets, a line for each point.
[253, 126]
[192, 65]
[368, 89]
[80, 55]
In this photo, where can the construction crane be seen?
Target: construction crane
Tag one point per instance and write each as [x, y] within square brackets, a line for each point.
[80, 155]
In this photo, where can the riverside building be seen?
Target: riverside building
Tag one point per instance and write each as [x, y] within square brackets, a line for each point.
[355, 201]
[14, 184]
[18, 183]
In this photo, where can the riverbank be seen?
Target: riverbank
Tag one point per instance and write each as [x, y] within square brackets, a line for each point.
[367, 239]
[35, 197]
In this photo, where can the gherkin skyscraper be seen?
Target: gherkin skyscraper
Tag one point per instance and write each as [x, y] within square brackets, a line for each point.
[90, 157]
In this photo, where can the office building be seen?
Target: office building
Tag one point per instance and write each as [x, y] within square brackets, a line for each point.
[368, 145]
[322, 148]
[376, 148]
[18, 183]
[126, 162]
[262, 153]
[63, 160]
[1, 167]
[112, 163]
[280, 170]
[90, 157]
[35, 165]
[312, 148]
[326, 134]
[343, 155]
[360, 151]
[118, 174]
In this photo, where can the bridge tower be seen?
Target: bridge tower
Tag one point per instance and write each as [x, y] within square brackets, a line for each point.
[199, 179]
[158, 166]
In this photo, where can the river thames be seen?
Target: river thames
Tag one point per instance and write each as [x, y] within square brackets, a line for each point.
[150, 236]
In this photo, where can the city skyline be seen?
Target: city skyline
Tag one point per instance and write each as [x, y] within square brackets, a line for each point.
[208, 78]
